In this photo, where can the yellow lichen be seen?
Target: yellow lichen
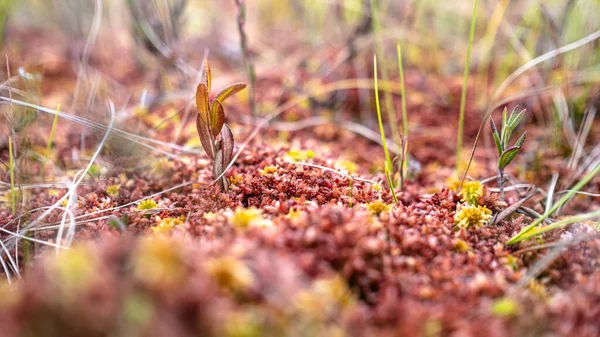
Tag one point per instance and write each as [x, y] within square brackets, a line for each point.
[377, 207]
[469, 215]
[471, 191]
[113, 190]
[165, 225]
[267, 170]
[299, 155]
[146, 204]
[230, 273]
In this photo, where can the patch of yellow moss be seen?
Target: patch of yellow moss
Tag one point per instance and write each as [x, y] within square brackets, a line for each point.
[347, 165]
[267, 170]
[377, 207]
[230, 273]
[471, 191]
[166, 225]
[461, 246]
[504, 307]
[158, 262]
[146, 204]
[297, 155]
[243, 218]
[236, 179]
[113, 190]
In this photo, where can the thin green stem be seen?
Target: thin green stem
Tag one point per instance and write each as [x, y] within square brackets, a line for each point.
[404, 109]
[463, 96]
[52, 130]
[388, 160]
[389, 102]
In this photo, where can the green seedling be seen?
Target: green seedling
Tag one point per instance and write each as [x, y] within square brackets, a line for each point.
[506, 153]
[210, 124]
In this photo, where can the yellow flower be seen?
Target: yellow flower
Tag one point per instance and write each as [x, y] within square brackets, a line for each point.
[469, 215]
[471, 191]
[166, 224]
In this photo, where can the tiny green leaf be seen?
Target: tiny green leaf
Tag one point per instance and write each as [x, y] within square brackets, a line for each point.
[507, 156]
[521, 139]
[230, 90]
[496, 137]
[217, 117]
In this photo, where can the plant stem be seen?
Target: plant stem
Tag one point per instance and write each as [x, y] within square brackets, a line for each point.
[241, 21]
[11, 166]
[404, 165]
[388, 160]
[389, 103]
[463, 97]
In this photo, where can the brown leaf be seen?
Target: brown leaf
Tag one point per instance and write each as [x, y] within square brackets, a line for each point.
[202, 103]
[217, 117]
[207, 73]
[230, 90]
[227, 143]
[205, 137]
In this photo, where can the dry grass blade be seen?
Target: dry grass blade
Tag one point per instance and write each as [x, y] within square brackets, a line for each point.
[512, 208]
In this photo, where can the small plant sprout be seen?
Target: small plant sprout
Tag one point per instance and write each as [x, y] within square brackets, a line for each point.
[210, 123]
[506, 153]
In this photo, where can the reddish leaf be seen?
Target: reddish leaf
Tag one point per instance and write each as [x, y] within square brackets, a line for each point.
[202, 103]
[205, 137]
[217, 117]
[230, 90]
[227, 143]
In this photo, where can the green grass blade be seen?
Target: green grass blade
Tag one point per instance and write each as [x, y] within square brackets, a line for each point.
[561, 223]
[520, 236]
[463, 96]
[388, 160]
[52, 130]
[404, 109]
